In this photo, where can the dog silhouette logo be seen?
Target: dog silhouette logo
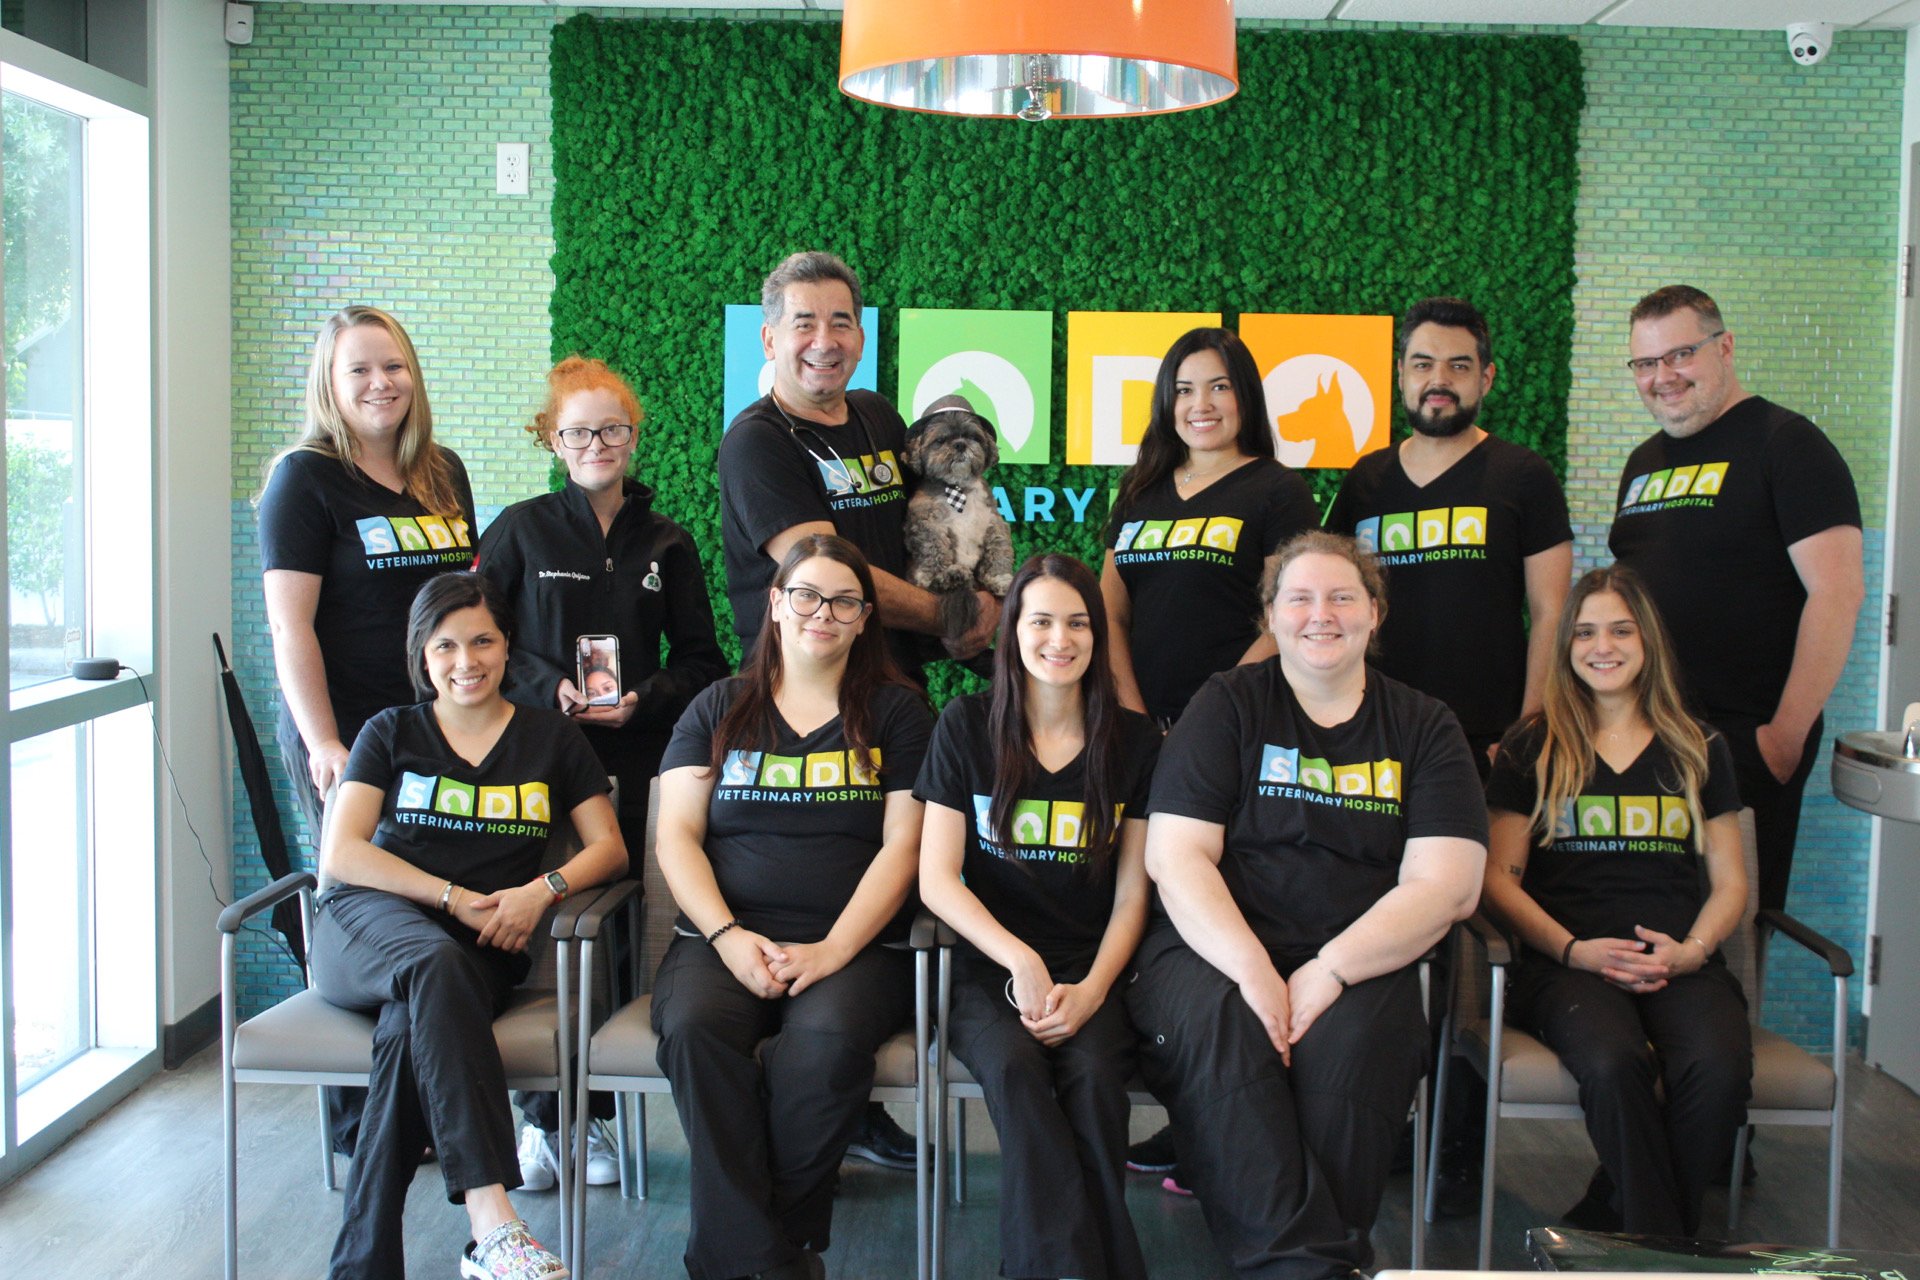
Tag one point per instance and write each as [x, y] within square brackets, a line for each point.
[1222, 533]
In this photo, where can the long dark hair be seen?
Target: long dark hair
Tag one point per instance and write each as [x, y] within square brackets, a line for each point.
[1161, 449]
[1099, 702]
[440, 595]
[870, 664]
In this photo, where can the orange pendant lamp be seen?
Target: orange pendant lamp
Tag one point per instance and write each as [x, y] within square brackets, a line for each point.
[1039, 59]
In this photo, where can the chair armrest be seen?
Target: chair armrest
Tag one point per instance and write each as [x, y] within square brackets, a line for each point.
[1499, 951]
[264, 900]
[1839, 961]
[926, 928]
[566, 917]
[596, 913]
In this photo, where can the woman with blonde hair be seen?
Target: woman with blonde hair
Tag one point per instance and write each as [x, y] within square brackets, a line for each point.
[356, 515]
[1615, 855]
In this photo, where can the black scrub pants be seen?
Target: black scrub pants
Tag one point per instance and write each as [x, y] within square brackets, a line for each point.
[1289, 1163]
[1691, 1037]
[1061, 1116]
[1775, 804]
[766, 1134]
[434, 992]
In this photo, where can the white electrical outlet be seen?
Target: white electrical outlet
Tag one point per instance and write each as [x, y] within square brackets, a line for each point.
[510, 168]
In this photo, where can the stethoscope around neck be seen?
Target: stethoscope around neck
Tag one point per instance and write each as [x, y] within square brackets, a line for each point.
[881, 473]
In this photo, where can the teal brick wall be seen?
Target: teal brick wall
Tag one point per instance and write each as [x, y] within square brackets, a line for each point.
[363, 144]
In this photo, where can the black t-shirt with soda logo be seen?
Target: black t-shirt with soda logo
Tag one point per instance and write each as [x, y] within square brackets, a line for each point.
[1043, 890]
[483, 826]
[1623, 852]
[1707, 520]
[1317, 819]
[779, 470]
[372, 549]
[795, 821]
[1453, 547]
[1192, 570]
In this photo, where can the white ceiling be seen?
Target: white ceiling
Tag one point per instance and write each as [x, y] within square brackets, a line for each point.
[1751, 15]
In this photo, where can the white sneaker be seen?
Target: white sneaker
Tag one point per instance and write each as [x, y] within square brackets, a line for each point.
[603, 1157]
[539, 1168]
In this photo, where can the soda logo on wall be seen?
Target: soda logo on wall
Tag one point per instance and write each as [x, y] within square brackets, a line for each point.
[747, 374]
[1000, 361]
[1328, 380]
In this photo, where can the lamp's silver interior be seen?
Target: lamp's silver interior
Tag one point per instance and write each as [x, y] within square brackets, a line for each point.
[1075, 85]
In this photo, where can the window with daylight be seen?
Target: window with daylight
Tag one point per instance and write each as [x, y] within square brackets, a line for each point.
[78, 980]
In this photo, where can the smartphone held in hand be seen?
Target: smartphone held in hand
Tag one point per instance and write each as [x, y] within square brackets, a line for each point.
[599, 658]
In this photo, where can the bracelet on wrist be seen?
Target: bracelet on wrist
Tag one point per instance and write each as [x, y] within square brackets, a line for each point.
[1334, 973]
[1566, 953]
[715, 935]
[1705, 950]
[445, 894]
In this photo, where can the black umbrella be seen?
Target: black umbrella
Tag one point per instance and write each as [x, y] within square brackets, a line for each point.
[266, 816]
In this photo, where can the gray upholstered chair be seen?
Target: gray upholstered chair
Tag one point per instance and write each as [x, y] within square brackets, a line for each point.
[305, 1040]
[622, 1055]
[1525, 1080]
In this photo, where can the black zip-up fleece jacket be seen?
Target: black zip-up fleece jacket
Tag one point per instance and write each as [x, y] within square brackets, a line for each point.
[641, 581]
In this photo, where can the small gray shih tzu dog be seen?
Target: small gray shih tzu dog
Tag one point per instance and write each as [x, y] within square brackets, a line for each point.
[956, 540]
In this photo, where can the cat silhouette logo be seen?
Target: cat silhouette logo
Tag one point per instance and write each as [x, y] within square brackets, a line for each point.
[1328, 382]
[1386, 779]
[1280, 764]
[740, 768]
[1222, 534]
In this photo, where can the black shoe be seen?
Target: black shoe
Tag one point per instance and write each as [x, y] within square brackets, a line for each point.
[882, 1142]
[1456, 1193]
[1153, 1155]
[807, 1266]
[1595, 1210]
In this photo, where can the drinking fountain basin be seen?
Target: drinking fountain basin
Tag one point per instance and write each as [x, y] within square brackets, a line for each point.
[1879, 771]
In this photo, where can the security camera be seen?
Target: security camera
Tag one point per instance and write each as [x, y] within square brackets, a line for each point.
[1809, 42]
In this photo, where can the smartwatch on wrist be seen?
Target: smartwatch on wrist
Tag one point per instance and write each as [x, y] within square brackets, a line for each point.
[557, 883]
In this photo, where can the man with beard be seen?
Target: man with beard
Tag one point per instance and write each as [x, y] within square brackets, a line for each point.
[1742, 518]
[1470, 528]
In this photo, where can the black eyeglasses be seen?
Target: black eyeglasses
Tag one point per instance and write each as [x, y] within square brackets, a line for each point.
[613, 435]
[1644, 365]
[806, 602]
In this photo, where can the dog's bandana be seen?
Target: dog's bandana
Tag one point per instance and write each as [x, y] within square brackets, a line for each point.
[956, 498]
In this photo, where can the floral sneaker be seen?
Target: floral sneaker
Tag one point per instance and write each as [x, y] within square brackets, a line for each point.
[509, 1252]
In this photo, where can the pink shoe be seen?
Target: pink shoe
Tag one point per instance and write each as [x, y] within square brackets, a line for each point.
[1168, 1183]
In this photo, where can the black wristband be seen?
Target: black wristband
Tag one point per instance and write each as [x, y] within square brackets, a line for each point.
[1566, 952]
[715, 935]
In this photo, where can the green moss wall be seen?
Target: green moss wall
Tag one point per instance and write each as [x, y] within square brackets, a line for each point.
[362, 171]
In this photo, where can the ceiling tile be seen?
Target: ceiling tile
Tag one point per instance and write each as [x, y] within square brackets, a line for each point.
[1530, 12]
[1747, 15]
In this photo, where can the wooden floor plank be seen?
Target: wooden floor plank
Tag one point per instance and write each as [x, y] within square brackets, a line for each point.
[143, 1184]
